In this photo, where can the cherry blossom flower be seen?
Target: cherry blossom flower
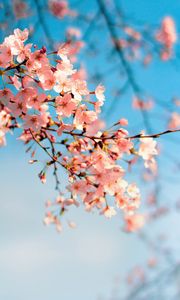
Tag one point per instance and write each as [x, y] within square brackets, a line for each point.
[142, 105]
[134, 222]
[167, 36]
[108, 212]
[2, 138]
[66, 105]
[147, 148]
[59, 8]
[174, 121]
[99, 92]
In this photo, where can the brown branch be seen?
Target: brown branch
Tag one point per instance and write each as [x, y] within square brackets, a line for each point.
[155, 135]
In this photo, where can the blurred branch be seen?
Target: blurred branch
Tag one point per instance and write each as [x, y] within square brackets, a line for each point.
[43, 24]
[120, 53]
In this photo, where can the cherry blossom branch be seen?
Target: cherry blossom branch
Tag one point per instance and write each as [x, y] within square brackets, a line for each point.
[164, 275]
[41, 146]
[155, 135]
[93, 156]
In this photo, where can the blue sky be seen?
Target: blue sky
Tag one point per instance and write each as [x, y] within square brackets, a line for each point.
[36, 262]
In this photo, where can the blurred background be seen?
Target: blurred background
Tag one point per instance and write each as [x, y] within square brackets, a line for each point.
[98, 260]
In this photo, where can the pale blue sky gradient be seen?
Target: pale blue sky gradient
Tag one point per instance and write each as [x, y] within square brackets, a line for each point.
[36, 263]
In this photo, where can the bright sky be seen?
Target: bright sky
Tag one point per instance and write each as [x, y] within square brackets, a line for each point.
[36, 263]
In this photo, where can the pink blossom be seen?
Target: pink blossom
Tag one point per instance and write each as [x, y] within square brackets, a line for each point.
[167, 36]
[6, 96]
[5, 56]
[66, 105]
[35, 122]
[134, 222]
[174, 121]
[99, 92]
[64, 127]
[109, 212]
[142, 105]
[20, 9]
[59, 8]
[123, 122]
[83, 116]
[147, 148]
[2, 138]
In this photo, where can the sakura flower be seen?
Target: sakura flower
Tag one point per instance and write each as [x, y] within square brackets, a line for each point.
[123, 122]
[65, 105]
[63, 85]
[151, 165]
[15, 81]
[133, 190]
[83, 116]
[20, 9]
[6, 96]
[42, 177]
[64, 127]
[94, 127]
[131, 32]
[19, 107]
[46, 78]
[65, 67]
[147, 148]
[25, 136]
[99, 92]
[78, 187]
[21, 34]
[51, 219]
[24, 53]
[124, 145]
[174, 121]
[134, 222]
[35, 122]
[72, 31]
[109, 212]
[80, 74]
[38, 61]
[5, 56]
[2, 138]
[63, 50]
[79, 89]
[71, 201]
[142, 105]
[116, 187]
[167, 36]
[16, 43]
[72, 224]
[121, 201]
[37, 100]
[59, 8]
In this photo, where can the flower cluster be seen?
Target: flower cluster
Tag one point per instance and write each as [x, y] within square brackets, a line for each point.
[139, 44]
[45, 97]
